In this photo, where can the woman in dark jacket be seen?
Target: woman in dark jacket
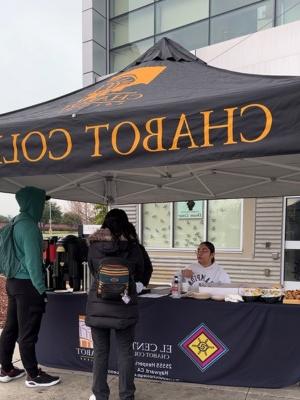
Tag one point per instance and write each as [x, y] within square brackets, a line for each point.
[114, 239]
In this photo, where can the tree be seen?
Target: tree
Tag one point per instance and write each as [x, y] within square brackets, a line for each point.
[70, 218]
[3, 218]
[86, 211]
[101, 210]
[56, 214]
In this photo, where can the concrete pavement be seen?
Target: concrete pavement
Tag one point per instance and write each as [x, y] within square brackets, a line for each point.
[77, 386]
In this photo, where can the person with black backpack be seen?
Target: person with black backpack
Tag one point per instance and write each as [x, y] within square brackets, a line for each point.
[116, 263]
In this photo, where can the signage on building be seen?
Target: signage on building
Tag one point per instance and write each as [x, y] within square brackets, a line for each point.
[189, 209]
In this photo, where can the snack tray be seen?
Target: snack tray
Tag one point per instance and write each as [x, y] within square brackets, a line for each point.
[291, 301]
[197, 295]
[218, 291]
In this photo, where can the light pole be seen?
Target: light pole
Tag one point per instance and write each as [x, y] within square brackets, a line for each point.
[50, 219]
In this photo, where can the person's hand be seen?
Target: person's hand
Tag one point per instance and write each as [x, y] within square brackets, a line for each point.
[139, 287]
[187, 273]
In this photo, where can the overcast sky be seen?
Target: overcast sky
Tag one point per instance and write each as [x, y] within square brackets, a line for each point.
[40, 48]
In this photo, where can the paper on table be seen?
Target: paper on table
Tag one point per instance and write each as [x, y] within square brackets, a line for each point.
[153, 295]
[161, 287]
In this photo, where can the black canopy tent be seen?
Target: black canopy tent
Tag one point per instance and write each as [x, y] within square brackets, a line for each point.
[167, 127]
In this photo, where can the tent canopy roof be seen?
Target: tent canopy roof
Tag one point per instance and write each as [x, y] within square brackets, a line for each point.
[167, 127]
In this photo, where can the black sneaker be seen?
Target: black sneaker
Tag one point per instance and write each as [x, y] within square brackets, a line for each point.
[14, 373]
[42, 379]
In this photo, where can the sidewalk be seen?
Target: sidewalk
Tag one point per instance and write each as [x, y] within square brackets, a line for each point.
[77, 386]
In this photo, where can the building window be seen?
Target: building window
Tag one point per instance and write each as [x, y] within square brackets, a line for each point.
[99, 59]
[118, 7]
[292, 240]
[287, 11]
[156, 225]
[242, 22]
[171, 14]
[132, 27]
[224, 223]
[291, 265]
[189, 223]
[120, 58]
[219, 7]
[292, 222]
[99, 29]
[191, 37]
[186, 224]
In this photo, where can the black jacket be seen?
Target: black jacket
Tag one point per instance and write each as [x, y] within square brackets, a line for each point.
[113, 314]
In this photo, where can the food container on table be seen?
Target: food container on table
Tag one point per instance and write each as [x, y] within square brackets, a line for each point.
[272, 295]
[218, 297]
[251, 294]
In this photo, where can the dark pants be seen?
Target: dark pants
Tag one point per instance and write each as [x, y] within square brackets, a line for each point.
[24, 314]
[124, 339]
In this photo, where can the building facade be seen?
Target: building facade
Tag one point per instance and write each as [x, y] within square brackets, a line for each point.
[249, 36]
[115, 32]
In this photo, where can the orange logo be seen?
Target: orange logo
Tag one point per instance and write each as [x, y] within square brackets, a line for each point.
[112, 91]
[85, 334]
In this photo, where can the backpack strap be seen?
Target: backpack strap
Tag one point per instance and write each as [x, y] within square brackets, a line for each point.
[13, 222]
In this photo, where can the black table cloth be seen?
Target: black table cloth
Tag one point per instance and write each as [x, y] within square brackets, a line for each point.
[244, 344]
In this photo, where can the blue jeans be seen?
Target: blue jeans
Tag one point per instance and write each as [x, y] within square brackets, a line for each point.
[124, 339]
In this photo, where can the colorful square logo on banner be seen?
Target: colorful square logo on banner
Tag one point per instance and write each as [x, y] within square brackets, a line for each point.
[203, 347]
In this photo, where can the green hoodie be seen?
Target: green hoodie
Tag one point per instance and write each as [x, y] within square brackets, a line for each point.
[28, 237]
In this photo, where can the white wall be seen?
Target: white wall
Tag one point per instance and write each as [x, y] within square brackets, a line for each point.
[275, 51]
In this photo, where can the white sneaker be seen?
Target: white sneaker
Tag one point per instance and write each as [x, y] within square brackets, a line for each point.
[92, 397]
[42, 379]
[14, 373]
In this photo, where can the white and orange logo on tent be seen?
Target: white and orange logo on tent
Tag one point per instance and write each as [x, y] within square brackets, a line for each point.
[113, 90]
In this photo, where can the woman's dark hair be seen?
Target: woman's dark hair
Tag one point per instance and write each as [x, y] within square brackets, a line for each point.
[133, 233]
[117, 222]
[211, 248]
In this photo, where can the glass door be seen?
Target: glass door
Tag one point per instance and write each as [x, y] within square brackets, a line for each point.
[291, 259]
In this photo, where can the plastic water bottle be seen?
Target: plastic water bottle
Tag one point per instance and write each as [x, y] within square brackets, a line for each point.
[185, 286]
[176, 291]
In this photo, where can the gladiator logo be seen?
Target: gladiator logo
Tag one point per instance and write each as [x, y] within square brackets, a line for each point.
[85, 350]
[85, 336]
[113, 90]
[203, 347]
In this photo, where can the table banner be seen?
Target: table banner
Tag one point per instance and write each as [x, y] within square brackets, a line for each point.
[246, 344]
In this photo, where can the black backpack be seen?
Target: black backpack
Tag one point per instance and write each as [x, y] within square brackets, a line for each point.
[114, 279]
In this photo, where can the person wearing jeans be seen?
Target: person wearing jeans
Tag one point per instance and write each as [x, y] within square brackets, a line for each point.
[101, 340]
[114, 240]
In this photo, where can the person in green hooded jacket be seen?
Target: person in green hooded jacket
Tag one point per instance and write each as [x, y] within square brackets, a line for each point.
[26, 293]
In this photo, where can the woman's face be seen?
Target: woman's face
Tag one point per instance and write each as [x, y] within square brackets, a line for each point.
[204, 255]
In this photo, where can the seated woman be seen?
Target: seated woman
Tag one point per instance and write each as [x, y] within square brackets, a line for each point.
[206, 270]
